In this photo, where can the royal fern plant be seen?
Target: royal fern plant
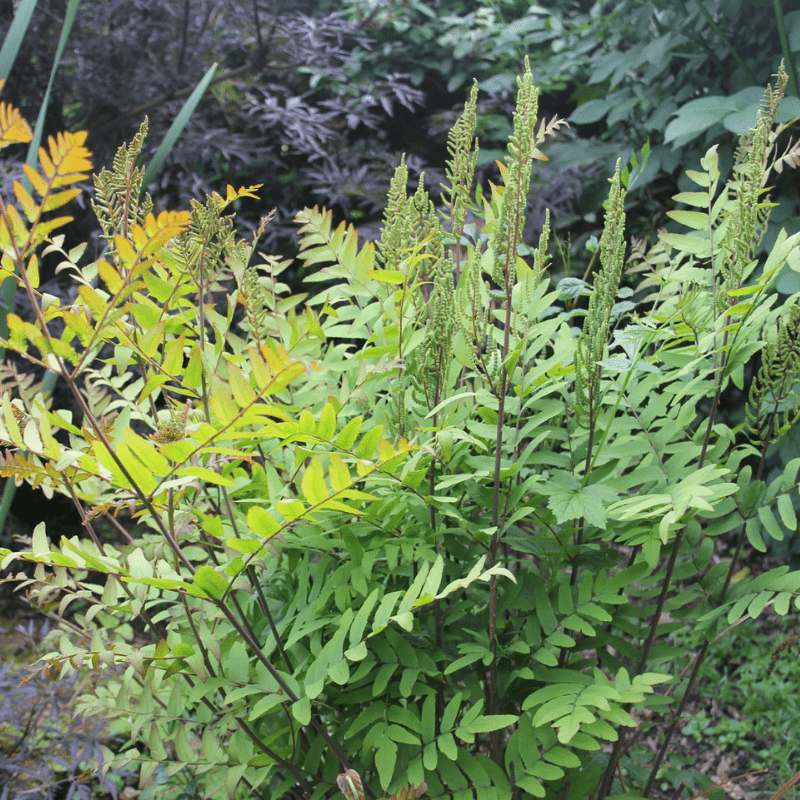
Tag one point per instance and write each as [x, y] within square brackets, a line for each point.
[428, 528]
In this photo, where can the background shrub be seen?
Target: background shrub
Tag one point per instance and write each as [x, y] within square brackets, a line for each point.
[317, 100]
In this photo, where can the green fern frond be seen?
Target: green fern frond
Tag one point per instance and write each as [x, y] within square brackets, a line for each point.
[517, 175]
[748, 219]
[774, 402]
[433, 296]
[261, 292]
[204, 247]
[540, 259]
[460, 169]
[337, 249]
[117, 201]
[789, 158]
[396, 230]
[523, 148]
[472, 309]
[597, 325]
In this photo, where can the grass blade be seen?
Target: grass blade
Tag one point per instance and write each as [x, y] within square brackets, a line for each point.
[178, 125]
[16, 33]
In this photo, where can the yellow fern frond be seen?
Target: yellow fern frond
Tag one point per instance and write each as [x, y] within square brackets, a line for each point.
[16, 466]
[13, 232]
[146, 241]
[159, 230]
[243, 191]
[68, 160]
[26, 202]
[14, 129]
[66, 163]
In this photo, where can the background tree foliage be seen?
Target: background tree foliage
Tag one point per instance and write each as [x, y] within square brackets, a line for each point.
[318, 100]
[439, 515]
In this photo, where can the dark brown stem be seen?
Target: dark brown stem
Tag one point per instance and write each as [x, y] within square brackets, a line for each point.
[786, 786]
[437, 609]
[665, 587]
[700, 657]
[662, 597]
[662, 751]
[494, 699]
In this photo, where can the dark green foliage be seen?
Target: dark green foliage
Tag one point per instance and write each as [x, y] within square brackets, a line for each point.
[683, 76]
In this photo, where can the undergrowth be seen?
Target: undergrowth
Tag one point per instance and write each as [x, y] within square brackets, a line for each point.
[750, 680]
